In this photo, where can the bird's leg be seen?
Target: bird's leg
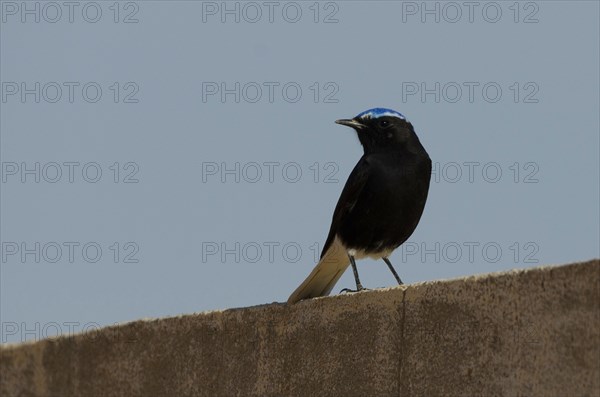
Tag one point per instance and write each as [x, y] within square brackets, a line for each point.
[387, 262]
[359, 286]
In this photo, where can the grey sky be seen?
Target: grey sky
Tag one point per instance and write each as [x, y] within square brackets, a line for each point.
[505, 99]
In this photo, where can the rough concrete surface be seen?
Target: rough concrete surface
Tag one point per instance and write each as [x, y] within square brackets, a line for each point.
[522, 333]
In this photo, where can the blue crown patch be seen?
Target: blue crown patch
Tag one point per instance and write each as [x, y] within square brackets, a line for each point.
[380, 112]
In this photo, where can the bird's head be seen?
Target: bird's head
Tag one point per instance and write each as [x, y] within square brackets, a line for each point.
[381, 129]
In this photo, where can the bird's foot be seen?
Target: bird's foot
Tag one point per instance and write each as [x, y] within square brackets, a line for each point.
[358, 289]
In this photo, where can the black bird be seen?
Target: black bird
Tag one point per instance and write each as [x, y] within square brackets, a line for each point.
[381, 203]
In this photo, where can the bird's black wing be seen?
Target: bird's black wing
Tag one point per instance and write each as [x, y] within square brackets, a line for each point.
[350, 194]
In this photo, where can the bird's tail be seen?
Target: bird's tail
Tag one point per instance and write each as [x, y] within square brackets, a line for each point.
[322, 279]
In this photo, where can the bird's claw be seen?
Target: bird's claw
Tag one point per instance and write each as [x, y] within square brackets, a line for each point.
[360, 288]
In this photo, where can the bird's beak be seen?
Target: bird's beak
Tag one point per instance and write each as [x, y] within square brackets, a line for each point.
[351, 123]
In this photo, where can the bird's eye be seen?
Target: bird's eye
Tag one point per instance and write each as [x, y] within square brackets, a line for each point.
[384, 123]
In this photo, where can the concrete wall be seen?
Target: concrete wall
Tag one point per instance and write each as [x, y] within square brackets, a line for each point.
[533, 332]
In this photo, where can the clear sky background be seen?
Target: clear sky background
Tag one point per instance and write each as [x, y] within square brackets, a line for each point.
[187, 159]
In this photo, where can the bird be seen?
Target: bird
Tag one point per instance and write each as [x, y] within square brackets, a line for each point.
[380, 205]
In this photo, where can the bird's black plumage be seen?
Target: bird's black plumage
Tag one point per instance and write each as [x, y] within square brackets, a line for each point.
[384, 196]
[381, 203]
